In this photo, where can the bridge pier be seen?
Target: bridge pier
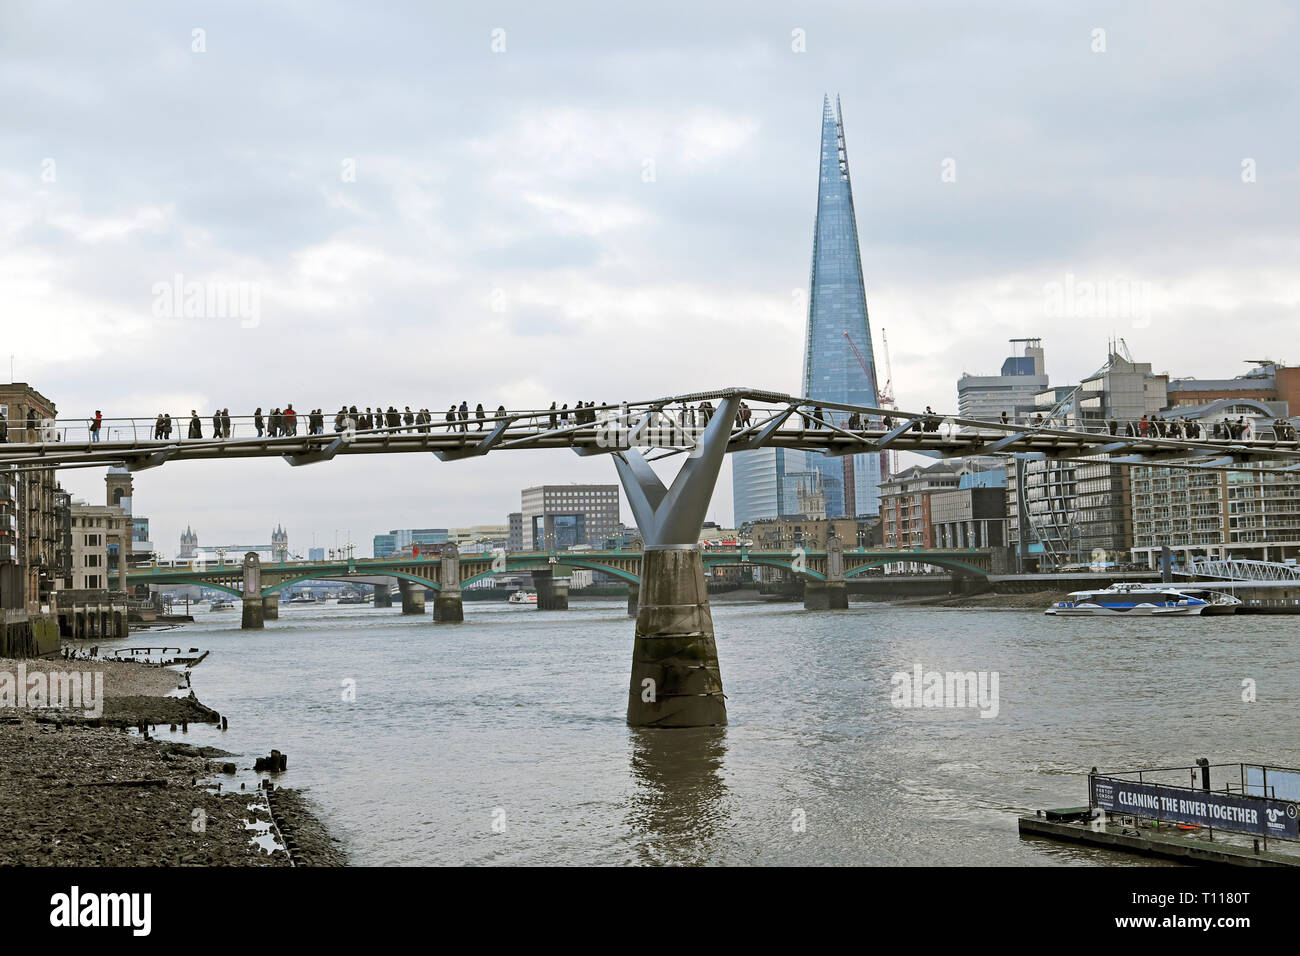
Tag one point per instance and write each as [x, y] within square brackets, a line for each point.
[633, 599]
[383, 595]
[448, 608]
[676, 678]
[253, 618]
[825, 595]
[271, 607]
[831, 594]
[412, 597]
[550, 596]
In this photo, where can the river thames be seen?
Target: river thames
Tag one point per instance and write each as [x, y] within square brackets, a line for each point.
[502, 740]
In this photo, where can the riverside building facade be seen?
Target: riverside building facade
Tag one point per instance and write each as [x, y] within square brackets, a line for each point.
[557, 517]
[28, 573]
[1063, 513]
[1247, 514]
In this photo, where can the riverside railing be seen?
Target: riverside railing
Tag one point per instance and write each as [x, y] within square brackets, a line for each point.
[138, 429]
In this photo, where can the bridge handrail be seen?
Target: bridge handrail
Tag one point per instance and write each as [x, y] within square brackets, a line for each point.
[789, 420]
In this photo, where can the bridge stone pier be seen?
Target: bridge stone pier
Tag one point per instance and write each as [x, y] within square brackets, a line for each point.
[253, 617]
[383, 595]
[412, 596]
[270, 607]
[633, 599]
[676, 678]
[550, 595]
[448, 608]
[831, 594]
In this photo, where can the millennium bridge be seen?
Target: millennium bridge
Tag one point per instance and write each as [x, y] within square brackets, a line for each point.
[676, 679]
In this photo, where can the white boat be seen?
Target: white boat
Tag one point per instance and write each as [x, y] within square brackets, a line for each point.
[1145, 600]
[522, 597]
[222, 606]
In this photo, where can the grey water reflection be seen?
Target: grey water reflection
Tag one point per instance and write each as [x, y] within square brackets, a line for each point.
[680, 803]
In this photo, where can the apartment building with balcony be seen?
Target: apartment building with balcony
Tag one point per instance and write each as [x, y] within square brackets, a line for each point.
[1248, 513]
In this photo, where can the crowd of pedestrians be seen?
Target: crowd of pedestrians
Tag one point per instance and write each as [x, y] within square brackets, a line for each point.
[285, 422]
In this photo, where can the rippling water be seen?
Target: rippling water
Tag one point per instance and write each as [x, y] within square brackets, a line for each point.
[516, 717]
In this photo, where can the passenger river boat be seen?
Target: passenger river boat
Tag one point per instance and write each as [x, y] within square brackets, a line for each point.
[1145, 600]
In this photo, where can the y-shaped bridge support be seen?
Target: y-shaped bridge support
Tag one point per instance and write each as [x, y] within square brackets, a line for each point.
[676, 679]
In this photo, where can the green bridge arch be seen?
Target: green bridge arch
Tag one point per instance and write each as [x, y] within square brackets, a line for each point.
[535, 565]
[952, 564]
[741, 560]
[344, 576]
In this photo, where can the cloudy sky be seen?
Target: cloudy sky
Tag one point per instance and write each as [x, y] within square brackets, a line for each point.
[520, 202]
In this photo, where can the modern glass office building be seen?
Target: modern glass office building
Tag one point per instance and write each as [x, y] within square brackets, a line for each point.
[759, 488]
[837, 316]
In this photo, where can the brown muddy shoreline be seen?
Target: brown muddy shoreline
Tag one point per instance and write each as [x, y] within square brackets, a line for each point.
[84, 791]
[1032, 601]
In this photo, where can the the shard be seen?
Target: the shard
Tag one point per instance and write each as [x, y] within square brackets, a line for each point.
[838, 341]
[763, 480]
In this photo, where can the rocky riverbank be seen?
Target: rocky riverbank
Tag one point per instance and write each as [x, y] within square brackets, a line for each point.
[81, 790]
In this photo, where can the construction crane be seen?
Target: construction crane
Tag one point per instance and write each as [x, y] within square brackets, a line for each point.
[884, 397]
[881, 398]
[887, 396]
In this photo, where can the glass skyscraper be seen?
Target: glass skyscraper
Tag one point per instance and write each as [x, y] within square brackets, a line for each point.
[837, 307]
[759, 486]
[837, 315]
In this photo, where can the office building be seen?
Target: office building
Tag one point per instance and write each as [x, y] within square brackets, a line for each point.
[837, 345]
[759, 485]
[28, 574]
[838, 362]
[406, 539]
[101, 541]
[1248, 514]
[1268, 381]
[556, 517]
[1023, 377]
[1075, 513]
[515, 531]
[119, 488]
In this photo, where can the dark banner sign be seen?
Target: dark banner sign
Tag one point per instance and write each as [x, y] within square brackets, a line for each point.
[1225, 811]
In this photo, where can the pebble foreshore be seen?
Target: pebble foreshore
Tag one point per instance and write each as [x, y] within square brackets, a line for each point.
[85, 791]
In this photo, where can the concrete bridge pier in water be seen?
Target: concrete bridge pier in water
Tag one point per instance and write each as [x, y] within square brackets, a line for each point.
[254, 616]
[676, 678]
[383, 595]
[448, 608]
[412, 596]
[270, 607]
[833, 593]
[551, 596]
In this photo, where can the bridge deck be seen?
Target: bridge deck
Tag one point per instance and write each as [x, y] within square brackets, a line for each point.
[795, 423]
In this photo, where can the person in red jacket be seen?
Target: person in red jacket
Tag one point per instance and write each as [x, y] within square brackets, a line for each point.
[290, 420]
[94, 425]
